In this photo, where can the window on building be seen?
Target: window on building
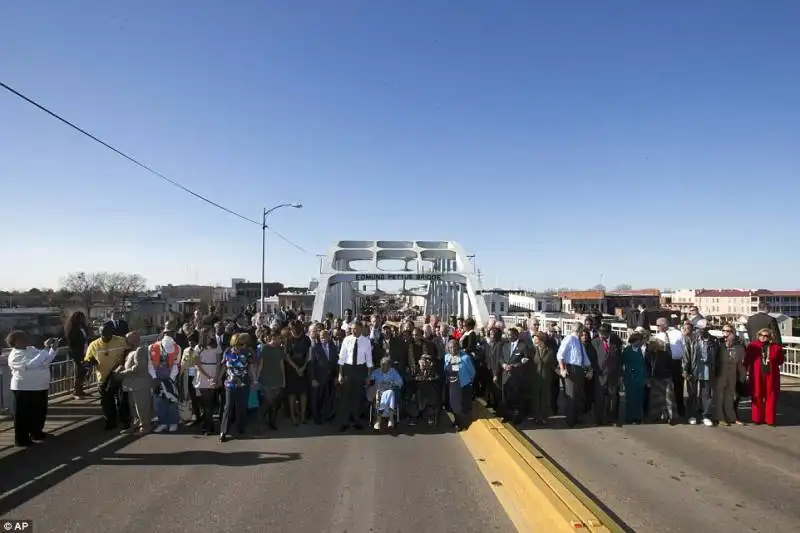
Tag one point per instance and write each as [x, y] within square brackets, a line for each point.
[501, 307]
[492, 311]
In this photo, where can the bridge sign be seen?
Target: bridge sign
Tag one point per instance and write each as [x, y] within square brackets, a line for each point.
[398, 277]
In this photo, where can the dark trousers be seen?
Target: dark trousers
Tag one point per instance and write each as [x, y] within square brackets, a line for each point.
[195, 399]
[677, 380]
[208, 400]
[574, 390]
[483, 380]
[29, 415]
[353, 394]
[606, 404]
[494, 396]
[235, 404]
[114, 403]
[322, 397]
[409, 401]
[556, 382]
[588, 394]
[221, 400]
[80, 376]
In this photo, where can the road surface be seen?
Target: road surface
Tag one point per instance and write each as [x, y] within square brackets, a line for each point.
[687, 479]
[295, 480]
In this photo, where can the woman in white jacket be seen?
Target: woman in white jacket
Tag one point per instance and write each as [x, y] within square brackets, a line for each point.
[30, 382]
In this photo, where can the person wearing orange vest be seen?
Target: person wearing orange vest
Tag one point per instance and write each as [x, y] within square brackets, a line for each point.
[164, 365]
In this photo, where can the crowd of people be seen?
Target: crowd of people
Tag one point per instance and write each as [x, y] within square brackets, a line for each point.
[352, 369]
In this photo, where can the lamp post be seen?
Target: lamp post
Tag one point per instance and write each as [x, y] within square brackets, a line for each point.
[264, 244]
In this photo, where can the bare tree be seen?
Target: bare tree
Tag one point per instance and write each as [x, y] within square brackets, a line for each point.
[623, 287]
[117, 286]
[83, 285]
[132, 284]
[598, 287]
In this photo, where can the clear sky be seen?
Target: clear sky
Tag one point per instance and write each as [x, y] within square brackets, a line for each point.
[653, 143]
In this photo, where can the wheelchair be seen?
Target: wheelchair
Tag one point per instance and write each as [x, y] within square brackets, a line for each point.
[374, 401]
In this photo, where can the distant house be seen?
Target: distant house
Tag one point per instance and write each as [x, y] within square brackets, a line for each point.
[582, 301]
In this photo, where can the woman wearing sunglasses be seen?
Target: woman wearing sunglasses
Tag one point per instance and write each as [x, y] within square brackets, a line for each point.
[763, 361]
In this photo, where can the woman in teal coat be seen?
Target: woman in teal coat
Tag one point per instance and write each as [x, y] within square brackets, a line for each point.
[633, 377]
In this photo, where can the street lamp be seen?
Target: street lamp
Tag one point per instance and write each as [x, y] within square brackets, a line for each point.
[264, 244]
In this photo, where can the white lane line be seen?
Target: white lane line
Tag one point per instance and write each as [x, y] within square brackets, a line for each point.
[107, 443]
[30, 482]
[52, 471]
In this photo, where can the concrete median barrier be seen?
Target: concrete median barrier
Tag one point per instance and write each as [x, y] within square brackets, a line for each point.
[537, 496]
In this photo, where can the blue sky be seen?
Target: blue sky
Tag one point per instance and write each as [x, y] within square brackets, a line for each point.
[654, 143]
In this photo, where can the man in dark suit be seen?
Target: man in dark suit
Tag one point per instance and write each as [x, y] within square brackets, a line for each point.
[762, 320]
[607, 374]
[324, 368]
[120, 325]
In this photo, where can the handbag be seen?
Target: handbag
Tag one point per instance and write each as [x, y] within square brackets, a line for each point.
[252, 400]
[185, 412]
[742, 389]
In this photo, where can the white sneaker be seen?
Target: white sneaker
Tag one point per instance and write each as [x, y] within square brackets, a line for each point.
[390, 423]
[173, 428]
[693, 421]
[707, 422]
[161, 428]
[377, 426]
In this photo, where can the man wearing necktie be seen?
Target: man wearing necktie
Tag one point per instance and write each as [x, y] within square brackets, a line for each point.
[324, 358]
[608, 373]
[120, 325]
[355, 364]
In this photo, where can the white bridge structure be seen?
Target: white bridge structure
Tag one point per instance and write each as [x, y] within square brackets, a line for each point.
[354, 269]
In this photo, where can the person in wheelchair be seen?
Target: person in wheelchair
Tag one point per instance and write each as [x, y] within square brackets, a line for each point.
[384, 384]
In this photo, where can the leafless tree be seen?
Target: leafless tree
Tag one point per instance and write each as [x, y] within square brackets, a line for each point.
[117, 286]
[83, 285]
[623, 287]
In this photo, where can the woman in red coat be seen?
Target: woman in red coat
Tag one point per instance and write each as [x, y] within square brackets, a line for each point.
[763, 360]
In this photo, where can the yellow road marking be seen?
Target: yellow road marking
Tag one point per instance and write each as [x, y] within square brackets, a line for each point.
[530, 492]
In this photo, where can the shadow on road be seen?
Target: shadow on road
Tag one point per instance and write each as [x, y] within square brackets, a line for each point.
[29, 472]
[198, 458]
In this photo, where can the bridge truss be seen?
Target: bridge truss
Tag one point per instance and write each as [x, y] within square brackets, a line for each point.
[354, 269]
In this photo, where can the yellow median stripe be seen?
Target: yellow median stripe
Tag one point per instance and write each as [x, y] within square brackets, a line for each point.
[536, 496]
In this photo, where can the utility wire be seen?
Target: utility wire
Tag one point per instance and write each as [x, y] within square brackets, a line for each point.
[144, 166]
[289, 242]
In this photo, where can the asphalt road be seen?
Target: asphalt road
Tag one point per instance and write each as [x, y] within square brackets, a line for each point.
[658, 478]
[295, 480]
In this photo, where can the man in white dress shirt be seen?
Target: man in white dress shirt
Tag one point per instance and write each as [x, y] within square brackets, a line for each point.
[355, 364]
[673, 341]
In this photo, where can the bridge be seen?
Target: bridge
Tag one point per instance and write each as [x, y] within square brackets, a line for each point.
[492, 477]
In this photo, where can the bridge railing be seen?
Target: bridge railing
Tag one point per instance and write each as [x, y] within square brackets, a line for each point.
[62, 376]
[791, 344]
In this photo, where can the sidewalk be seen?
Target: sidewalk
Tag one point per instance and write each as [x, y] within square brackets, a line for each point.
[64, 414]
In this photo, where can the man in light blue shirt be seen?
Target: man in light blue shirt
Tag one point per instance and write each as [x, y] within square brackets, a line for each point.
[573, 364]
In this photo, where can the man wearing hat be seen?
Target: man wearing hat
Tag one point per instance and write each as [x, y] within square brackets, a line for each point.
[699, 366]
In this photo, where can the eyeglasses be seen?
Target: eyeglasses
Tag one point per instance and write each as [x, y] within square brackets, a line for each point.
[765, 335]
[727, 331]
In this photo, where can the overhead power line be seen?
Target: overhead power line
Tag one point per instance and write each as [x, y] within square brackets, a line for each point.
[148, 168]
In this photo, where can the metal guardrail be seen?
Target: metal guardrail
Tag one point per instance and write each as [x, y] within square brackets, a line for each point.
[791, 344]
[62, 377]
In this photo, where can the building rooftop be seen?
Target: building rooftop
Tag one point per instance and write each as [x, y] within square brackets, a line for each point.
[635, 292]
[30, 310]
[582, 295]
[723, 293]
